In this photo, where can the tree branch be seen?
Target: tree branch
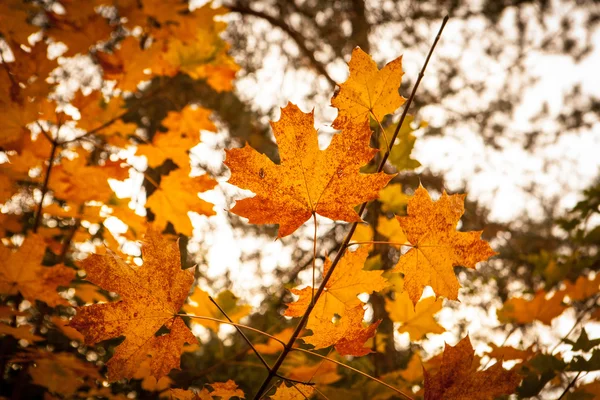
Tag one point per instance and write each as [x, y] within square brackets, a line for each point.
[295, 36]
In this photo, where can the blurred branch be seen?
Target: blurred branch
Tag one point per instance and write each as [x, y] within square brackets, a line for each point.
[295, 36]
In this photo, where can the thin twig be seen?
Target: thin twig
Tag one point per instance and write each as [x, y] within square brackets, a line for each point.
[260, 357]
[342, 249]
[221, 321]
[569, 386]
[341, 364]
[38, 216]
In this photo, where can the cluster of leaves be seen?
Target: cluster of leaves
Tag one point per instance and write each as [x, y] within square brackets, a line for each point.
[62, 153]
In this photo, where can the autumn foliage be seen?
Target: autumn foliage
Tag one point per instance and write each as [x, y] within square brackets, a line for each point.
[67, 271]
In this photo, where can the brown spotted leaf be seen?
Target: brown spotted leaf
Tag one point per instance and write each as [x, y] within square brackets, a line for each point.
[151, 297]
[457, 380]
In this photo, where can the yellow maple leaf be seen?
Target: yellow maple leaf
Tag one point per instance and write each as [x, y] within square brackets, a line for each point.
[392, 198]
[176, 196]
[151, 296]
[21, 271]
[368, 91]
[436, 246]
[417, 321]
[391, 229]
[308, 180]
[337, 317]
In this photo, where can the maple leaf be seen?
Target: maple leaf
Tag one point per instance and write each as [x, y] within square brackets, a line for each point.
[151, 296]
[339, 302]
[21, 332]
[295, 392]
[391, 229]
[368, 91]
[299, 367]
[308, 180]
[417, 321]
[539, 308]
[14, 15]
[583, 288]
[221, 390]
[21, 271]
[128, 65]
[78, 182]
[400, 153]
[182, 135]
[79, 28]
[392, 198]
[176, 196]
[506, 353]
[273, 346]
[436, 246]
[457, 380]
[61, 373]
[62, 325]
[205, 308]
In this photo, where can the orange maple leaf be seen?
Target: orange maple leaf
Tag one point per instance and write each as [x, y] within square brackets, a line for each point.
[176, 196]
[60, 373]
[436, 246]
[539, 308]
[221, 390]
[456, 378]
[308, 180]
[151, 297]
[339, 303]
[294, 392]
[368, 91]
[183, 134]
[21, 271]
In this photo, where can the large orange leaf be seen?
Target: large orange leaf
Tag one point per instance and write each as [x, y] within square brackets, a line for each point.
[337, 317]
[308, 180]
[437, 246]
[151, 297]
[21, 271]
[176, 196]
[368, 91]
[456, 379]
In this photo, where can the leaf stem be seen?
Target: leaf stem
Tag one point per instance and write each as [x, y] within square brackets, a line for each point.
[340, 253]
